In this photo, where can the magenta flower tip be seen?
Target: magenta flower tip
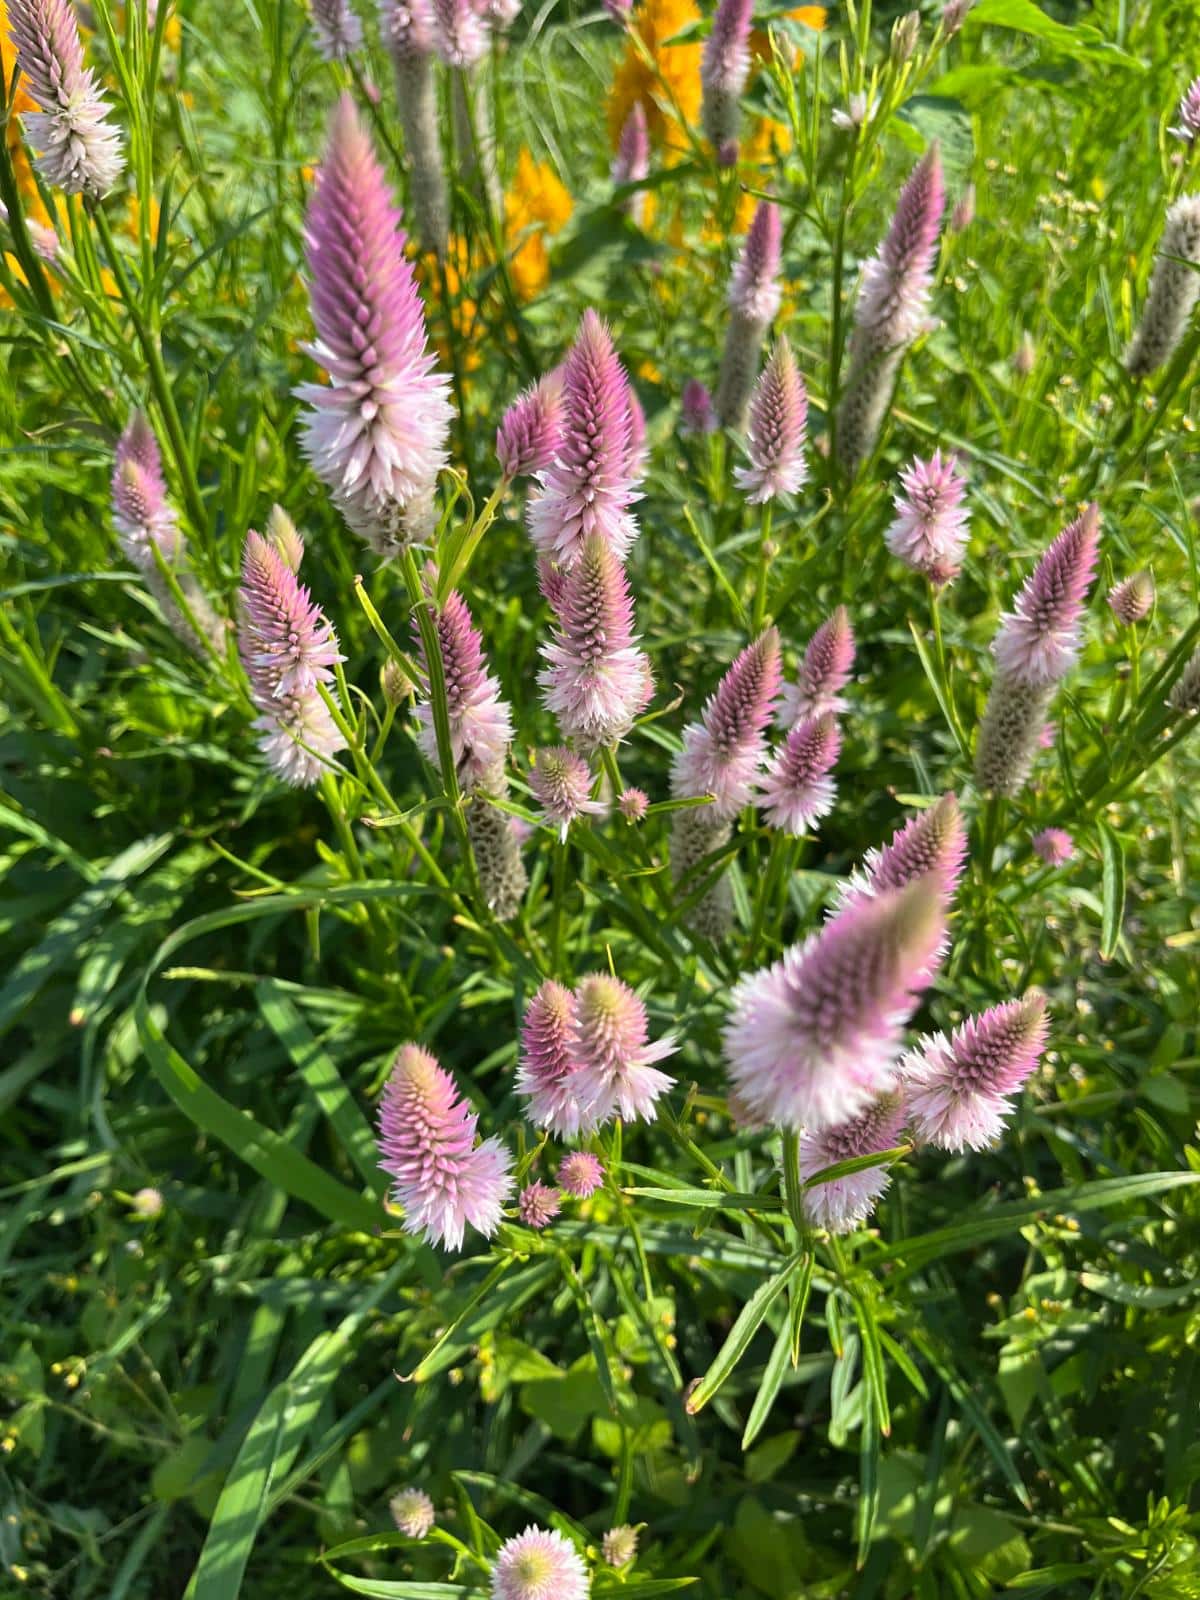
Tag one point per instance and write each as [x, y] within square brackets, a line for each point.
[696, 414]
[580, 1174]
[142, 513]
[797, 789]
[480, 720]
[562, 782]
[538, 1205]
[932, 844]
[824, 673]
[960, 1089]
[929, 533]
[778, 425]
[614, 1055]
[843, 1204]
[529, 432]
[1054, 845]
[723, 752]
[896, 283]
[1039, 640]
[537, 1565]
[1187, 126]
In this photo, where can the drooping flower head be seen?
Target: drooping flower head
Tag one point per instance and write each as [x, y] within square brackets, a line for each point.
[480, 720]
[824, 672]
[1187, 126]
[336, 29]
[562, 782]
[1039, 640]
[797, 789]
[1174, 289]
[580, 1174]
[633, 804]
[1054, 845]
[1132, 598]
[778, 422]
[960, 1089]
[441, 1177]
[929, 533]
[529, 432]
[696, 413]
[376, 433]
[538, 1205]
[613, 1052]
[459, 32]
[619, 1545]
[537, 1565]
[548, 1073]
[723, 752]
[80, 147]
[141, 512]
[412, 1512]
[814, 1038]
[589, 487]
[724, 69]
[843, 1204]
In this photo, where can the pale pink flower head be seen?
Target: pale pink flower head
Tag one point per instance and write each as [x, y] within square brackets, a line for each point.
[142, 514]
[824, 673]
[963, 214]
[954, 14]
[929, 533]
[480, 720]
[562, 782]
[537, 1565]
[724, 68]
[548, 1075]
[580, 1174]
[754, 290]
[814, 1038]
[797, 789]
[1054, 845]
[376, 432]
[612, 1047]
[148, 1204]
[407, 27]
[723, 752]
[459, 32]
[960, 1089]
[1132, 598]
[1187, 125]
[588, 488]
[633, 804]
[283, 534]
[619, 1545]
[529, 432]
[932, 845]
[778, 424]
[696, 414]
[441, 1177]
[412, 1512]
[632, 161]
[80, 148]
[843, 1204]
[1039, 639]
[894, 297]
[336, 29]
[538, 1205]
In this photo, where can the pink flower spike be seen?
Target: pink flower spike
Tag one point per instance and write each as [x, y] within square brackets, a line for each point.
[538, 1206]
[929, 533]
[288, 647]
[1187, 126]
[824, 673]
[960, 1089]
[932, 844]
[547, 1074]
[633, 804]
[406, 27]
[797, 789]
[755, 291]
[778, 424]
[141, 512]
[529, 432]
[724, 68]
[814, 1038]
[376, 432]
[336, 29]
[480, 720]
[580, 1174]
[1132, 598]
[613, 1054]
[723, 752]
[1039, 640]
[441, 1177]
[459, 33]
[632, 161]
[894, 297]
[843, 1204]
[539, 1566]
[562, 782]
[696, 413]
[80, 147]
[1054, 845]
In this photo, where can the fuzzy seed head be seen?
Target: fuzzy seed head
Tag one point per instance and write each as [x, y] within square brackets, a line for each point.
[1174, 289]
[412, 1512]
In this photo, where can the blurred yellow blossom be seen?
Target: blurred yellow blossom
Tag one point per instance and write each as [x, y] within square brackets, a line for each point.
[536, 205]
[807, 16]
[673, 82]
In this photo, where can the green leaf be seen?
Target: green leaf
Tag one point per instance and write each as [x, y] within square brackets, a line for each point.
[747, 1325]
[710, 1199]
[1136, 1294]
[240, 1508]
[1112, 853]
[1022, 16]
[777, 1366]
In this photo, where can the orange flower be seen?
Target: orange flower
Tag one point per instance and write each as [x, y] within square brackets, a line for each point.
[537, 205]
[674, 81]
[22, 102]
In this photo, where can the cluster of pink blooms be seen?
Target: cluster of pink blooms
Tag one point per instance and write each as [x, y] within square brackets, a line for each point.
[929, 533]
[580, 1174]
[80, 147]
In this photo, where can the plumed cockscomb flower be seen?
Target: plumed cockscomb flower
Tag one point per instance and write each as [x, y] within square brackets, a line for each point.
[932, 845]
[589, 486]
[631, 163]
[843, 1204]
[1054, 845]
[596, 681]
[562, 782]
[1132, 598]
[724, 68]
[723, 752]
[412, 1512]
[1185, 692]
[538, 1205]
[613, 1052]
[441, 1177]
[696, 413]
[480, 721]
[824, 673]
[142, 514]
[580, 1174]
[959, 1089]
[529, 432]
[1174, 289]
[755, 292]
[797, 789]
[496, 846]
[1187, 126]
[814, 1038]
[407, 29]
[633, 804]
[929, 533]
[1010, 734]
[537, 1565]
[336, 29]
[547, 1073]
[775, 438]
[376, 432]
[1039, 640]
[80, 148]
[459, 32]
[619, 1545]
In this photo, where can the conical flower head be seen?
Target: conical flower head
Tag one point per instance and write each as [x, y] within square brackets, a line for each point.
[723, 752]
[1187, 124]
[611, 1047]
[538, 1205]
[843, 1204]
[412, 1512]
[824, 672]
[696, 413]
[480, 720]
[1174, 289]
[1039, 640]
[814, 1038]
[529, 432]
[778, 422]
[724, 68]
[376, 433]
[755, 290]
[619, 1545]
[929, 533]
[960, 1089]
[441, 1177]
[336, 29]
[141, 512]
[931, 845]
[1132, 598]
[562, 782]
[537, 1565]
[407, 27]
[894, 297]
[580, 1174]
[1011, 733]
[547, 1073]
[589, 487]
[797, 789]
[459, 33]
[80, 147]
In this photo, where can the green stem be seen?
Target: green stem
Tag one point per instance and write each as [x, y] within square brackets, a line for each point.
[764, 560]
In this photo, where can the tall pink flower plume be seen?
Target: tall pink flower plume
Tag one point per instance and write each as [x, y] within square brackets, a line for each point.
[596, 681]
[459, 32]
[960, 1089]
[142, 514]
[824, 673]
[929, 533]
[376, 433]
[755, 293]
[528, 436]
[589, 487]
[480, 721]
[723, 752]
[724, 68]
[843, 1204]
[778, 423]
[80, 147]
[797, 789]
[442, 1178]
[537, 1565]
[548, 1076]
[932, 845]
[1039, 640]
[613, 1053]
[336, 29]
[562, 782]
[632, 161]
[814, 1038]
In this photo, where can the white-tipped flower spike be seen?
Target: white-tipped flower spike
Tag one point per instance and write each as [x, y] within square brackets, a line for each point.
[775, 437]
[931, 845]
[562, 781]
[537, 1565]
[1187, 127]
[843, 1204]
[613, 1053]
[824, 673]
[480, 720]
[1174, 289]
[548, 1075]
[412, 1512]
[407, 29]
[797, 789]
[1132, 598]
[960, 1090]
[929, 533]
[755, 292]
[724, 69]
[336, 29]
[80, 148]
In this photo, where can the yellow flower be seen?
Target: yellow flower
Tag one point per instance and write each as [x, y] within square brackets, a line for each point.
[134, 217]
[22, 102]
[669, 93]
[537, 205]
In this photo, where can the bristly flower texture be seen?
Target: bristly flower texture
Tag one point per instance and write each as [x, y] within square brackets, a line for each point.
[1174, 289]
[929, 533]
[562, 782]
[537, 1565]
[613, 1053]
[696, 413]
[1054, 845]
[528, 436]
[814, 1038]
[797, 789]
[724, 69]
[538, 1205]
[459, 32]
[843, 1204]
[547, 1072]
[633, 804]
[589, 487]
[580, 1174]
[288, 650]
[1187, 127]
[1039, 640]
[824, 673]
[775, 438]
[596, 681]
[376, 433]
[632, 161]
[960, 1089]
[1132, 598]
[336, 29]
[723, 752]
[931, 845]
[1185, 691]
[142, 514]
[442, 1178]
[80, 148]
[619, 1545]
[754, 297]
[480, 721]
[412, 1512]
